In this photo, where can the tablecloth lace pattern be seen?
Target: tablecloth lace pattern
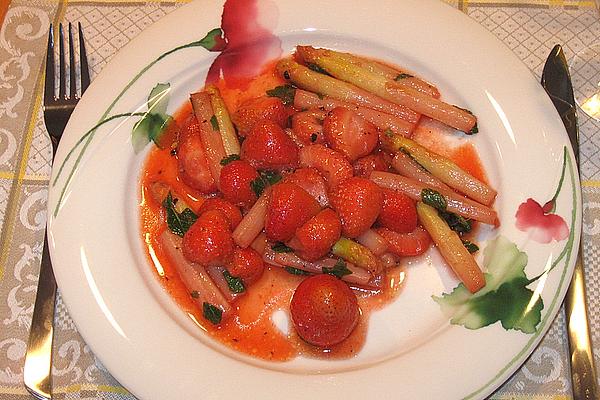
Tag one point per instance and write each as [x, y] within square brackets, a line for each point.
[529, 28]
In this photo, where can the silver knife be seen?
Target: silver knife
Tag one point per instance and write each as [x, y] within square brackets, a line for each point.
[557, 83]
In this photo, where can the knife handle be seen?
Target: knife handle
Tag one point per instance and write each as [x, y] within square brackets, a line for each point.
[583, 372]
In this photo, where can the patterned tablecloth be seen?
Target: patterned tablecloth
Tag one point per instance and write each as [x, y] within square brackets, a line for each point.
[530, 28]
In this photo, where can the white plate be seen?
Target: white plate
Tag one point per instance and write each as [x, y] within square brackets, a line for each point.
[412, 351]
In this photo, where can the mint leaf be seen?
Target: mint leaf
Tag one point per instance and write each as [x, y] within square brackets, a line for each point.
[285, 92]
[402, 76]
[272, 177]
[470, 246]
[296, 271]
[178, 223]
[457, 223]
[434, 199]
[281, 248]
[258, 186]
[504, 298]
[229, 159]
[235, 284]
[316, 68]
[338, 270]
[214, 123]
[212, 313]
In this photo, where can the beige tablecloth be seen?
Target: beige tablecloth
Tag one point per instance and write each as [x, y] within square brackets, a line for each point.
[529, 28]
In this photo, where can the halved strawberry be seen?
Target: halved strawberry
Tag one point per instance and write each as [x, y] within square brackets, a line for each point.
[247, 265]
[406, 244]
[314, 239]
[231, 212]
[310, 180]
[331, 164]
[235, 182]
[290, 207]
[308, 126]
[398, 212]
[258, 109]
[208, 241]
[358, 203]
[192, 161]
[349, 133]
[365, 165]
[267, 146]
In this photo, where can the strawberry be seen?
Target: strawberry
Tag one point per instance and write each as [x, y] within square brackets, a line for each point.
[349, 133]
[307, 126]
[314, 239]
[324, 310]
[398, 212]
[191, 160]
[358, 203]
[261, 108]
[310, 180]
[331, 164]
[235, 182]
[231, 212]
[208, 241]
[267, 146]
[247, 265]
[406, 244]
[365, 165]
[290, 207]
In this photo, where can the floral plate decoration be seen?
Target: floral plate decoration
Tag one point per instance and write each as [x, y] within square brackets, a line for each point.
[435, 328]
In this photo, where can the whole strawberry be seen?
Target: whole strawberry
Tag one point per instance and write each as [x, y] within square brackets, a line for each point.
[324, 310]
[398, 212]
[208, 241]
[247, 265]
[235, 181]
[310, 180]
[290, 207]
[267, 146]
[349, 133]
[258, 109]
[358, 203]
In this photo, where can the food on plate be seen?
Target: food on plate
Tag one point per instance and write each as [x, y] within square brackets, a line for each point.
[305, 197]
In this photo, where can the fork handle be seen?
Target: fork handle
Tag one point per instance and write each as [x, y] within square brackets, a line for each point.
[38, 359]
[583, 373]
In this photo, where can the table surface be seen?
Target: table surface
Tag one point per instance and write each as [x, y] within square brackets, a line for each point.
[530, 28]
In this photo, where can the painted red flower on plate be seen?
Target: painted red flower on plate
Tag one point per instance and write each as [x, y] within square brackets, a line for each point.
[540, 222]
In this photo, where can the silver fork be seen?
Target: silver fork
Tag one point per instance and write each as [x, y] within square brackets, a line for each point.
[37, 373]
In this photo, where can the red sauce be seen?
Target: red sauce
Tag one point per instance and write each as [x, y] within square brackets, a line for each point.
[242, 71]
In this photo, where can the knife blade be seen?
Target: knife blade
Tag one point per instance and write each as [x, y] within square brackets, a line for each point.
[556, 80]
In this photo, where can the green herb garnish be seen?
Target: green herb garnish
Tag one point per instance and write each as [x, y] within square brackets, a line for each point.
[296, 271]
[178, 223]
[470, 246]
[316, 68]
[434, 199]
[212, 313]
[230, 158]
[281, 248]
[285, 92]
[338, 270]
[214, 123]
[265, 179]
[402, 76]
[456, 222]
[235, 284]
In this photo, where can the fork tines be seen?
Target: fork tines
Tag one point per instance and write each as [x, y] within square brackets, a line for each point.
[49, 89]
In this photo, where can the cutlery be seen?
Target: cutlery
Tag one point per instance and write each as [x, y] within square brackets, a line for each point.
[557, 83]
[37, 373]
